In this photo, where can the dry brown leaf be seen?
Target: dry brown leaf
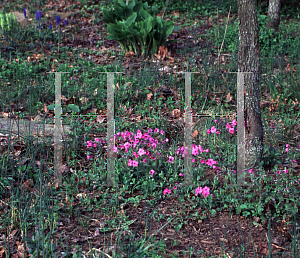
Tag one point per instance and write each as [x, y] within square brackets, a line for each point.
[129, 54]
[176, 113]
[228, 97]
[100, 119]
[195, 133]
[27, 184]
[38, 118]
[149, 95]
[117, 87]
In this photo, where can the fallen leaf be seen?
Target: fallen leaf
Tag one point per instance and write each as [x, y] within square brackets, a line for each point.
[195, 133]
[176, 113]
[100, 119]
[27, 184]
[149, 95]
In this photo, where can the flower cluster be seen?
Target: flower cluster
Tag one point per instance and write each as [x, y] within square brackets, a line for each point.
[38, 16]
[145, 143]
[204, 191]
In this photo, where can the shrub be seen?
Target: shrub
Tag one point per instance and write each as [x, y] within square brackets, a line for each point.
[134, 25]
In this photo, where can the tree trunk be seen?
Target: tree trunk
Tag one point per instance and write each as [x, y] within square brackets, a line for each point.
[248, 61]
[274, 14]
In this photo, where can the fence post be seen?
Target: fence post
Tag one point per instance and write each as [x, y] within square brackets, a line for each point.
[188, 172]
[110, 130]
[240, 131]
[57, 131]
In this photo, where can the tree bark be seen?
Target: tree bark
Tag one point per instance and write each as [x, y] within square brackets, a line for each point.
[248, 61]
[274, 14]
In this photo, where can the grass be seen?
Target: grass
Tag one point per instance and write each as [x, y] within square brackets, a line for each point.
[140, 218]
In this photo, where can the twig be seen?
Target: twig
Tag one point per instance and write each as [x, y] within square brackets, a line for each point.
[91, 27]
[165, 9]
[224, 35]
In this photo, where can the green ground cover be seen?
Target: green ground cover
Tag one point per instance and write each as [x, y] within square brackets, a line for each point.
[148, 214]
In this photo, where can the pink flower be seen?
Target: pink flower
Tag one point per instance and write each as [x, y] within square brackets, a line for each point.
[200, 148]
[195, 150]
[205, 191]
[141, 152]
[231, 130]
[139, 134]
[198, 191]
[166, 191]
[127, 146]
[213, 129]
[146, 136]
[171, 159]
[135, 163]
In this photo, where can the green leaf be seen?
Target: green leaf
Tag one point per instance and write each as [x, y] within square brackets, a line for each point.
[51, 107]
[148, 24]
[73, 108]
[131, 19]
[243, 206]
[144, 14]
[167, 30]
[109, 17]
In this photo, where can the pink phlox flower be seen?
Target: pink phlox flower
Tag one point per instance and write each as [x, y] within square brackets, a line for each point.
[231, 130]
[135, 163]
[213, 129]
[171, 159]
[167, 191]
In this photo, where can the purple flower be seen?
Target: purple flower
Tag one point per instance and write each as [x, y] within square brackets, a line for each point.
[58, 20]
[24, 11]
[50, 26]
[65, 22]
[38, 15]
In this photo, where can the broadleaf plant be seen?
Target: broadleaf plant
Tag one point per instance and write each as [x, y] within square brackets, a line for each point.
[135, 25]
